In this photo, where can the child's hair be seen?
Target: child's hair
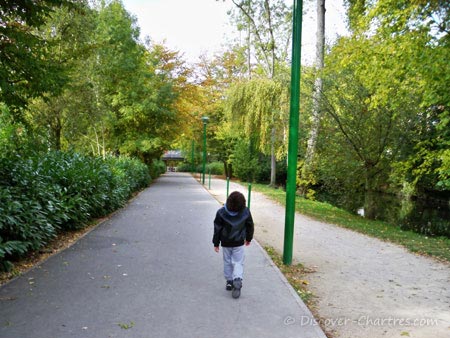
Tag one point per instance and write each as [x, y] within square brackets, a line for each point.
[236, 201]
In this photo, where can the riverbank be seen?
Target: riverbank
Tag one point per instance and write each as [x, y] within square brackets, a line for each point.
[436, 247]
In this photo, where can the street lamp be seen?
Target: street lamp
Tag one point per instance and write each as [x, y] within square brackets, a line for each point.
[192, 157]
[291, 185]
[205, 121]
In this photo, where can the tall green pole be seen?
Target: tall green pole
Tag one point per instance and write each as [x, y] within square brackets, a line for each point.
[192, 156]
[249, 195]
[291, 185]
[205, 120]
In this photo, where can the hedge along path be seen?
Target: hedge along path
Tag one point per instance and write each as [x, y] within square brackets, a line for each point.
[45, 194]
[63, 241]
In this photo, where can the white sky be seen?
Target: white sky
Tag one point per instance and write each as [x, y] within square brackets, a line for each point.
[194, 27]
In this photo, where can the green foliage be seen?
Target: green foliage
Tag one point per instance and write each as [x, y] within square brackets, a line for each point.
[119, 96]
[268, 27]
[385, 126]
[28, 68]
[255, 109]
[305, 180]
[444, 171]
[185, 167]
[157, 168]
[245, 161]
[43, 194]
[12, 135]
[10, 248]
[215, 168]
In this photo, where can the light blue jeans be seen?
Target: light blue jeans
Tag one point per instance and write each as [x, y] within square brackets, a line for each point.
[233, 262]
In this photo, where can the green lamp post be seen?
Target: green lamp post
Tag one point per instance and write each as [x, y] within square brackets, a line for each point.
[291, 185]
[192, 158]
[205, 121]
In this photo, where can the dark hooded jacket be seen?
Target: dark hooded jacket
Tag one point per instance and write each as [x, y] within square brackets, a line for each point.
[232, 228]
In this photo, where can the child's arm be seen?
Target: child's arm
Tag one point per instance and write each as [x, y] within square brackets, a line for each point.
[249, 229]
[218, 226]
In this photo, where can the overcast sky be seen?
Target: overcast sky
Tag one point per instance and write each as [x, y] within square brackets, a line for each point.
[197, 26]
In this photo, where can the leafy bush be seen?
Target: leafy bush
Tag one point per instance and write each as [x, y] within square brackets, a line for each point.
[157, 168]
[216, 168]
[245, 162]
[43, 194]
[185, 167]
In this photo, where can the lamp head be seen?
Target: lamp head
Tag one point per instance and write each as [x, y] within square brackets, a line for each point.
[205, 119]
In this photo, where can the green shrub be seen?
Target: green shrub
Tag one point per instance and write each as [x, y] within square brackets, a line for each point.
[185, 167]
[46, 193]
[157, 168]
[245, 162]
[216, 168]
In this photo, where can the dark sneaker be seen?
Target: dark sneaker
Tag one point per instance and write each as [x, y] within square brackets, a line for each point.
[229, 285]
[237, 285]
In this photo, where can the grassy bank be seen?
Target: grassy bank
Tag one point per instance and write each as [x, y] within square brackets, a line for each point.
[438, 247]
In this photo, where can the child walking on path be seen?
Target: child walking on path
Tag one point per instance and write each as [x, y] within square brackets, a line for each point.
[233, 228]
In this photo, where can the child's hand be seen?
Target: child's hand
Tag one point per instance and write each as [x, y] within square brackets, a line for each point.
[216, 249]
[247, 243]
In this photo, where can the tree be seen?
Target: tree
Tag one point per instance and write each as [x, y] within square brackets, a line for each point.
[254, 107]
[365, 133]
[418, 35]
[213, 78]
[306, 171]
[133, 88]
[27, 68]
[385, 101]
[121, 96]
[62, 112]
[269, 27]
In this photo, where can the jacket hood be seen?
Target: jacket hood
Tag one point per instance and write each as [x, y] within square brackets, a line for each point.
[231, 213]
[234, 218]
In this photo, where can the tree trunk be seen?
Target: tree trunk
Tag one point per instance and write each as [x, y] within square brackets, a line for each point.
[369, 197]
[55, 131]
[320, 45]
[228, 169]
[225, 168]
[249, 40]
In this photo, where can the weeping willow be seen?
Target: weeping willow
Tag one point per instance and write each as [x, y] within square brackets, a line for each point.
[257, 109]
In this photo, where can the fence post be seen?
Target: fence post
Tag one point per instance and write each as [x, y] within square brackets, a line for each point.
[249, 195]
[228, 186]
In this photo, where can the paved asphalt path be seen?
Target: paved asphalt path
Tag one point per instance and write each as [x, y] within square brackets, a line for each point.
[151, 271]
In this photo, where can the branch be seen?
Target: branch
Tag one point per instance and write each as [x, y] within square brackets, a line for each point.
[247, 14]
[335, 116]
[272, 39]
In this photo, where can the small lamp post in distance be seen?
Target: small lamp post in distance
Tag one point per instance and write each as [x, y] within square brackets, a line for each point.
[205, 121]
